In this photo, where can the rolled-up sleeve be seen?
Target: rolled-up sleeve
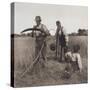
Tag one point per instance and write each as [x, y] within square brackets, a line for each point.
[45, 29]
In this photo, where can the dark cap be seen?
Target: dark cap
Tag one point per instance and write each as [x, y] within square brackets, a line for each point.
[58, 22]
[38, 18]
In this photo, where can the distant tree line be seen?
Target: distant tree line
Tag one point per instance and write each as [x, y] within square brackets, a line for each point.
[80, 32]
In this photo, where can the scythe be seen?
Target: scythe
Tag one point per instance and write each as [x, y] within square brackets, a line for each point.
[36, 58]
[33, 29]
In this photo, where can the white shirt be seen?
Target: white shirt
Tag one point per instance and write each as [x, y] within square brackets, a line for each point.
[66, 36]
[42, 27]
[77, 57]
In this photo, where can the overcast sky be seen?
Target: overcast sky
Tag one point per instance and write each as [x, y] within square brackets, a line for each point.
[71, 17]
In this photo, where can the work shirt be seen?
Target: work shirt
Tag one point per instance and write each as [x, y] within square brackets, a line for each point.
[42, 27]
[62, 39]
[64, 32]
[77, 57]
[40, 40]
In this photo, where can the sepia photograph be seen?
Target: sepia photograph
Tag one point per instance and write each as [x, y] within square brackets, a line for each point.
[49, 44]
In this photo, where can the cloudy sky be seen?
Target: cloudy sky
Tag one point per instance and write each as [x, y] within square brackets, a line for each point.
[71, 17]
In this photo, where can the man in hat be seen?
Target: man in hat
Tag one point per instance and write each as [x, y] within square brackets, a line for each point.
[40, 38]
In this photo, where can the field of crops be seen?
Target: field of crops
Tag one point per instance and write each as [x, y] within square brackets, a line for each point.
[24, 53]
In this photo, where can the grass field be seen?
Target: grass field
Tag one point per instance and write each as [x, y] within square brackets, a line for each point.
[24, 51]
